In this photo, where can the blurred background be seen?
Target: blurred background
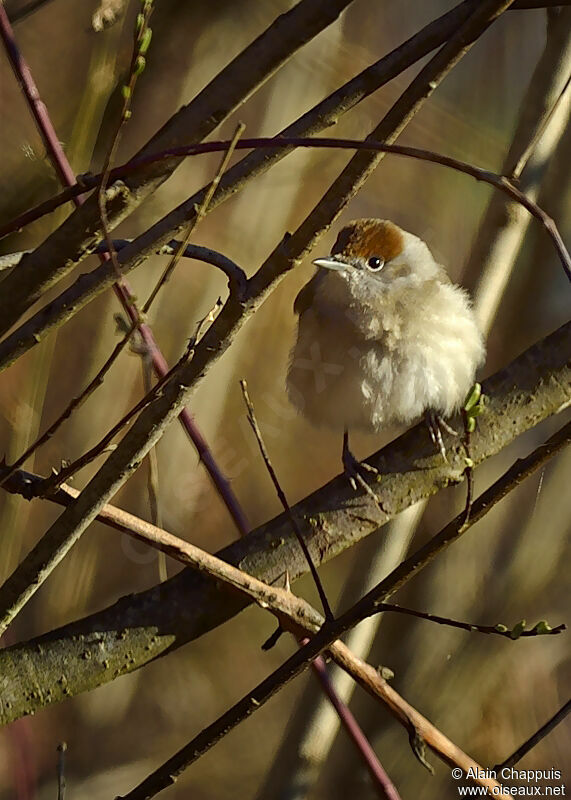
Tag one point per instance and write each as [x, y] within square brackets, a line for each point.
[486, 694]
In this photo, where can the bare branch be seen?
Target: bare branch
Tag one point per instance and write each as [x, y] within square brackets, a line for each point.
[530, 743]
[518, 630]
[283, 500]
[534, 386]
[87, 287]
[175, 392]
[81, 232]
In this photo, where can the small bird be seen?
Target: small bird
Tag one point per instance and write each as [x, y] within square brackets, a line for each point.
[384, 336]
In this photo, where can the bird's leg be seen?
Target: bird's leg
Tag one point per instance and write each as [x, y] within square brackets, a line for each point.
[436, 424]
[354, 469]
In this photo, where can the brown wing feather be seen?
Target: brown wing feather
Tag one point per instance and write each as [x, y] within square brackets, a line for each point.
[304, 299]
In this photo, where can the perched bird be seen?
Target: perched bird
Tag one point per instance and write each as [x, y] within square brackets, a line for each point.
[384, 336]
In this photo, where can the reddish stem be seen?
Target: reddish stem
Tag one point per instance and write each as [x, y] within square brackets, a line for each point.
[381, 781]
[121, 288]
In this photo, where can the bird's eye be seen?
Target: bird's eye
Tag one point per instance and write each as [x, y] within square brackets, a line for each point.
[375, 263]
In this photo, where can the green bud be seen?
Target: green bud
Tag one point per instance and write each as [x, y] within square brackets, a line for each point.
[140, 64]
[517, 629]
[542, 627]
[145, 41]
[473, 397]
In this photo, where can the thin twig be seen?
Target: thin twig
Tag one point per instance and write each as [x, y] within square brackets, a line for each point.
[168, 772]
[61, 751]
[500, 182]
[385, 788]
[283, 500]
[530, 743]
[140, 45]
[179, 252]
[469, 470]
[498, 629]
[236, 278]
[152, 460]
[121, 287]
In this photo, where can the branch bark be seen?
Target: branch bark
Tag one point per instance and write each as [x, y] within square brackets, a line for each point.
[81, 232]
[156, 417]
[139, 628]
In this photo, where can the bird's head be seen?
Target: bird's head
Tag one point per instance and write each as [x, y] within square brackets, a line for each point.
[377, 252]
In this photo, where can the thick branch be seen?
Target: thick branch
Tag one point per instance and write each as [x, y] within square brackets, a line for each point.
[156, 417]
[324, 114]
[75, 239]
[139, 628]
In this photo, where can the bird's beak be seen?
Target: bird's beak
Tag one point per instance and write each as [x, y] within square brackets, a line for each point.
[330, 263]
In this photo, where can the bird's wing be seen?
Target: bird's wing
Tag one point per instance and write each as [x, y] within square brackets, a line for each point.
[306, 296]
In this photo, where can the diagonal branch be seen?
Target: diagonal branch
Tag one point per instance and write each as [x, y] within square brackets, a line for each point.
[154, 420]
[325, 638]
[81, 232]
[534, 386]
[322, 115]
[530, 743]
[290, 609]
[89, 286]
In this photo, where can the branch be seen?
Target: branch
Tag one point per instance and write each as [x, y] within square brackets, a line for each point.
[12, 284]
[530, 743]
[155, 418]
[283, 500]
[89, 286]
[540, 629]
[81, 232]
[534, 386]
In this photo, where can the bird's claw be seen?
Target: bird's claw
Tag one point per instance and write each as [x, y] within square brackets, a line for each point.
[354, 470]
[436, 424]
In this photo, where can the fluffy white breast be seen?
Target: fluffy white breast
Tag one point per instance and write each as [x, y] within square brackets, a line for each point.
[372, 350]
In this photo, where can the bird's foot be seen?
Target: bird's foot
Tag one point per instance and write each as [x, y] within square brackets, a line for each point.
[355, 471]
[436, 424]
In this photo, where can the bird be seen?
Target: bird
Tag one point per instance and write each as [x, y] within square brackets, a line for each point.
[383, 337]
